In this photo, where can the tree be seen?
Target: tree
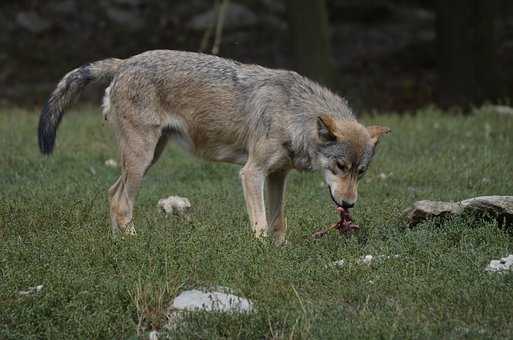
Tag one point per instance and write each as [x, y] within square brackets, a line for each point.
[308, 27]
[466, 51]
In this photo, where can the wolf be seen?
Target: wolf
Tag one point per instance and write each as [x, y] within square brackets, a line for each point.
[269, 121]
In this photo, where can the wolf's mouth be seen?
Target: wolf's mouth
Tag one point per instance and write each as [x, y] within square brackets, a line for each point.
[345, 225]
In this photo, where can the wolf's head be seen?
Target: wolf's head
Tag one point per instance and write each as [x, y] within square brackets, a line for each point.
[345, 150]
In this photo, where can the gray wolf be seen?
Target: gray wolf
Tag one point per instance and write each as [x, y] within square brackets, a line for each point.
[270, 121]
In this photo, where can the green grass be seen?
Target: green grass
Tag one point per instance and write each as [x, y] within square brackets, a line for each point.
[54, 230]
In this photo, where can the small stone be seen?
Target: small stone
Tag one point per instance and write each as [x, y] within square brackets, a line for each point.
[175, 205]
[31, 290]
[500, 109]
[501, 265]
[211, 301]
[339, 263]
[382, 176]
[154, 335]
[367, 259]
[111, 163]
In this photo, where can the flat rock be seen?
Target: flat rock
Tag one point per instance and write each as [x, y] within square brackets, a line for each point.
[221, 300]
[501, 265]
[175, 205]
[500, 109]
[366, 259]
[499, 207]
[424, 210]
[31, 290]
[495, 205]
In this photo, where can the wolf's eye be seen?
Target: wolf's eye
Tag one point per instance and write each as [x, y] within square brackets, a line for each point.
[342, 167]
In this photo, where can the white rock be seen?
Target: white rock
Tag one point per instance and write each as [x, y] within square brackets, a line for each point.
[211, 301]
[382, 176]
[154, 335]
[500, 265]
[175, 205]
[111, 163]
[338, 264]
[31, 290]
[500, 109]
[367, 259]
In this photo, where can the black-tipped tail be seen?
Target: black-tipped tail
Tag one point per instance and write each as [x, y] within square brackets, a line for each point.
[47, 130]
[67, 90]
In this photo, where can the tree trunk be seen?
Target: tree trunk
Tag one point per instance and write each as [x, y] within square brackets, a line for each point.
[308, 27]
[466, 52]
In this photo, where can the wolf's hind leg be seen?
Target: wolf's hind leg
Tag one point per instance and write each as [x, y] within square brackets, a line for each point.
[253, 180]
[138, 152]
[276, 183]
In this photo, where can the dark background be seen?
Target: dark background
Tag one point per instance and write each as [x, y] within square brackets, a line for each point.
[386, 55]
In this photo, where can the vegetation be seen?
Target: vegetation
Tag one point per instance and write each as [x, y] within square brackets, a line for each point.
[54, 231]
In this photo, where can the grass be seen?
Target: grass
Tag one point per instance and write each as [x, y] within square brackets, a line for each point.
[54, 231]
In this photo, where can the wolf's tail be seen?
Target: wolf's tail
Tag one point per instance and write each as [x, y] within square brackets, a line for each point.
[67, 90]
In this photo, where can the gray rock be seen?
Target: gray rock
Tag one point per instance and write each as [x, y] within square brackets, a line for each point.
[32, 22]
[154, 335]
[31, 290]
[499, 207]
[175, 205]
[501, 265]
[236, 16]
[424, 210]
[211, 301]
[500, 109]
[111, 163]
[493, 205]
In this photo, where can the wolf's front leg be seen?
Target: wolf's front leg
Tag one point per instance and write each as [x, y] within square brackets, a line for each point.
[253, 180]
[275, 196]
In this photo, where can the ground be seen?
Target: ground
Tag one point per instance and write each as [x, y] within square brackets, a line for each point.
[54, 231]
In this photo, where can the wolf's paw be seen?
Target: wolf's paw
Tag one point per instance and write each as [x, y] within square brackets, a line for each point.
[260, 234]
[128, 229]
[280, 241]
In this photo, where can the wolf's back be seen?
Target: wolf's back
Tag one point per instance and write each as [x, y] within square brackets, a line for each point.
[66, 91]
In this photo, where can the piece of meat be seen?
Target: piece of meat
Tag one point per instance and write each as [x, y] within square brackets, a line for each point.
[344, 226]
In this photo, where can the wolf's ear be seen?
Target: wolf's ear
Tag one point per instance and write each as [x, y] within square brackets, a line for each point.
[326, 126]
[376, 131]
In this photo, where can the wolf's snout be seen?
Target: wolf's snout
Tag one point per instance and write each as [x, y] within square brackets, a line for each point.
[346, 200]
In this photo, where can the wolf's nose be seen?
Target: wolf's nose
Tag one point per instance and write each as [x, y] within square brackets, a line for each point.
[347, 205]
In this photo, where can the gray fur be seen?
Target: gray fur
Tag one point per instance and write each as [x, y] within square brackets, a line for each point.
[221, 110]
